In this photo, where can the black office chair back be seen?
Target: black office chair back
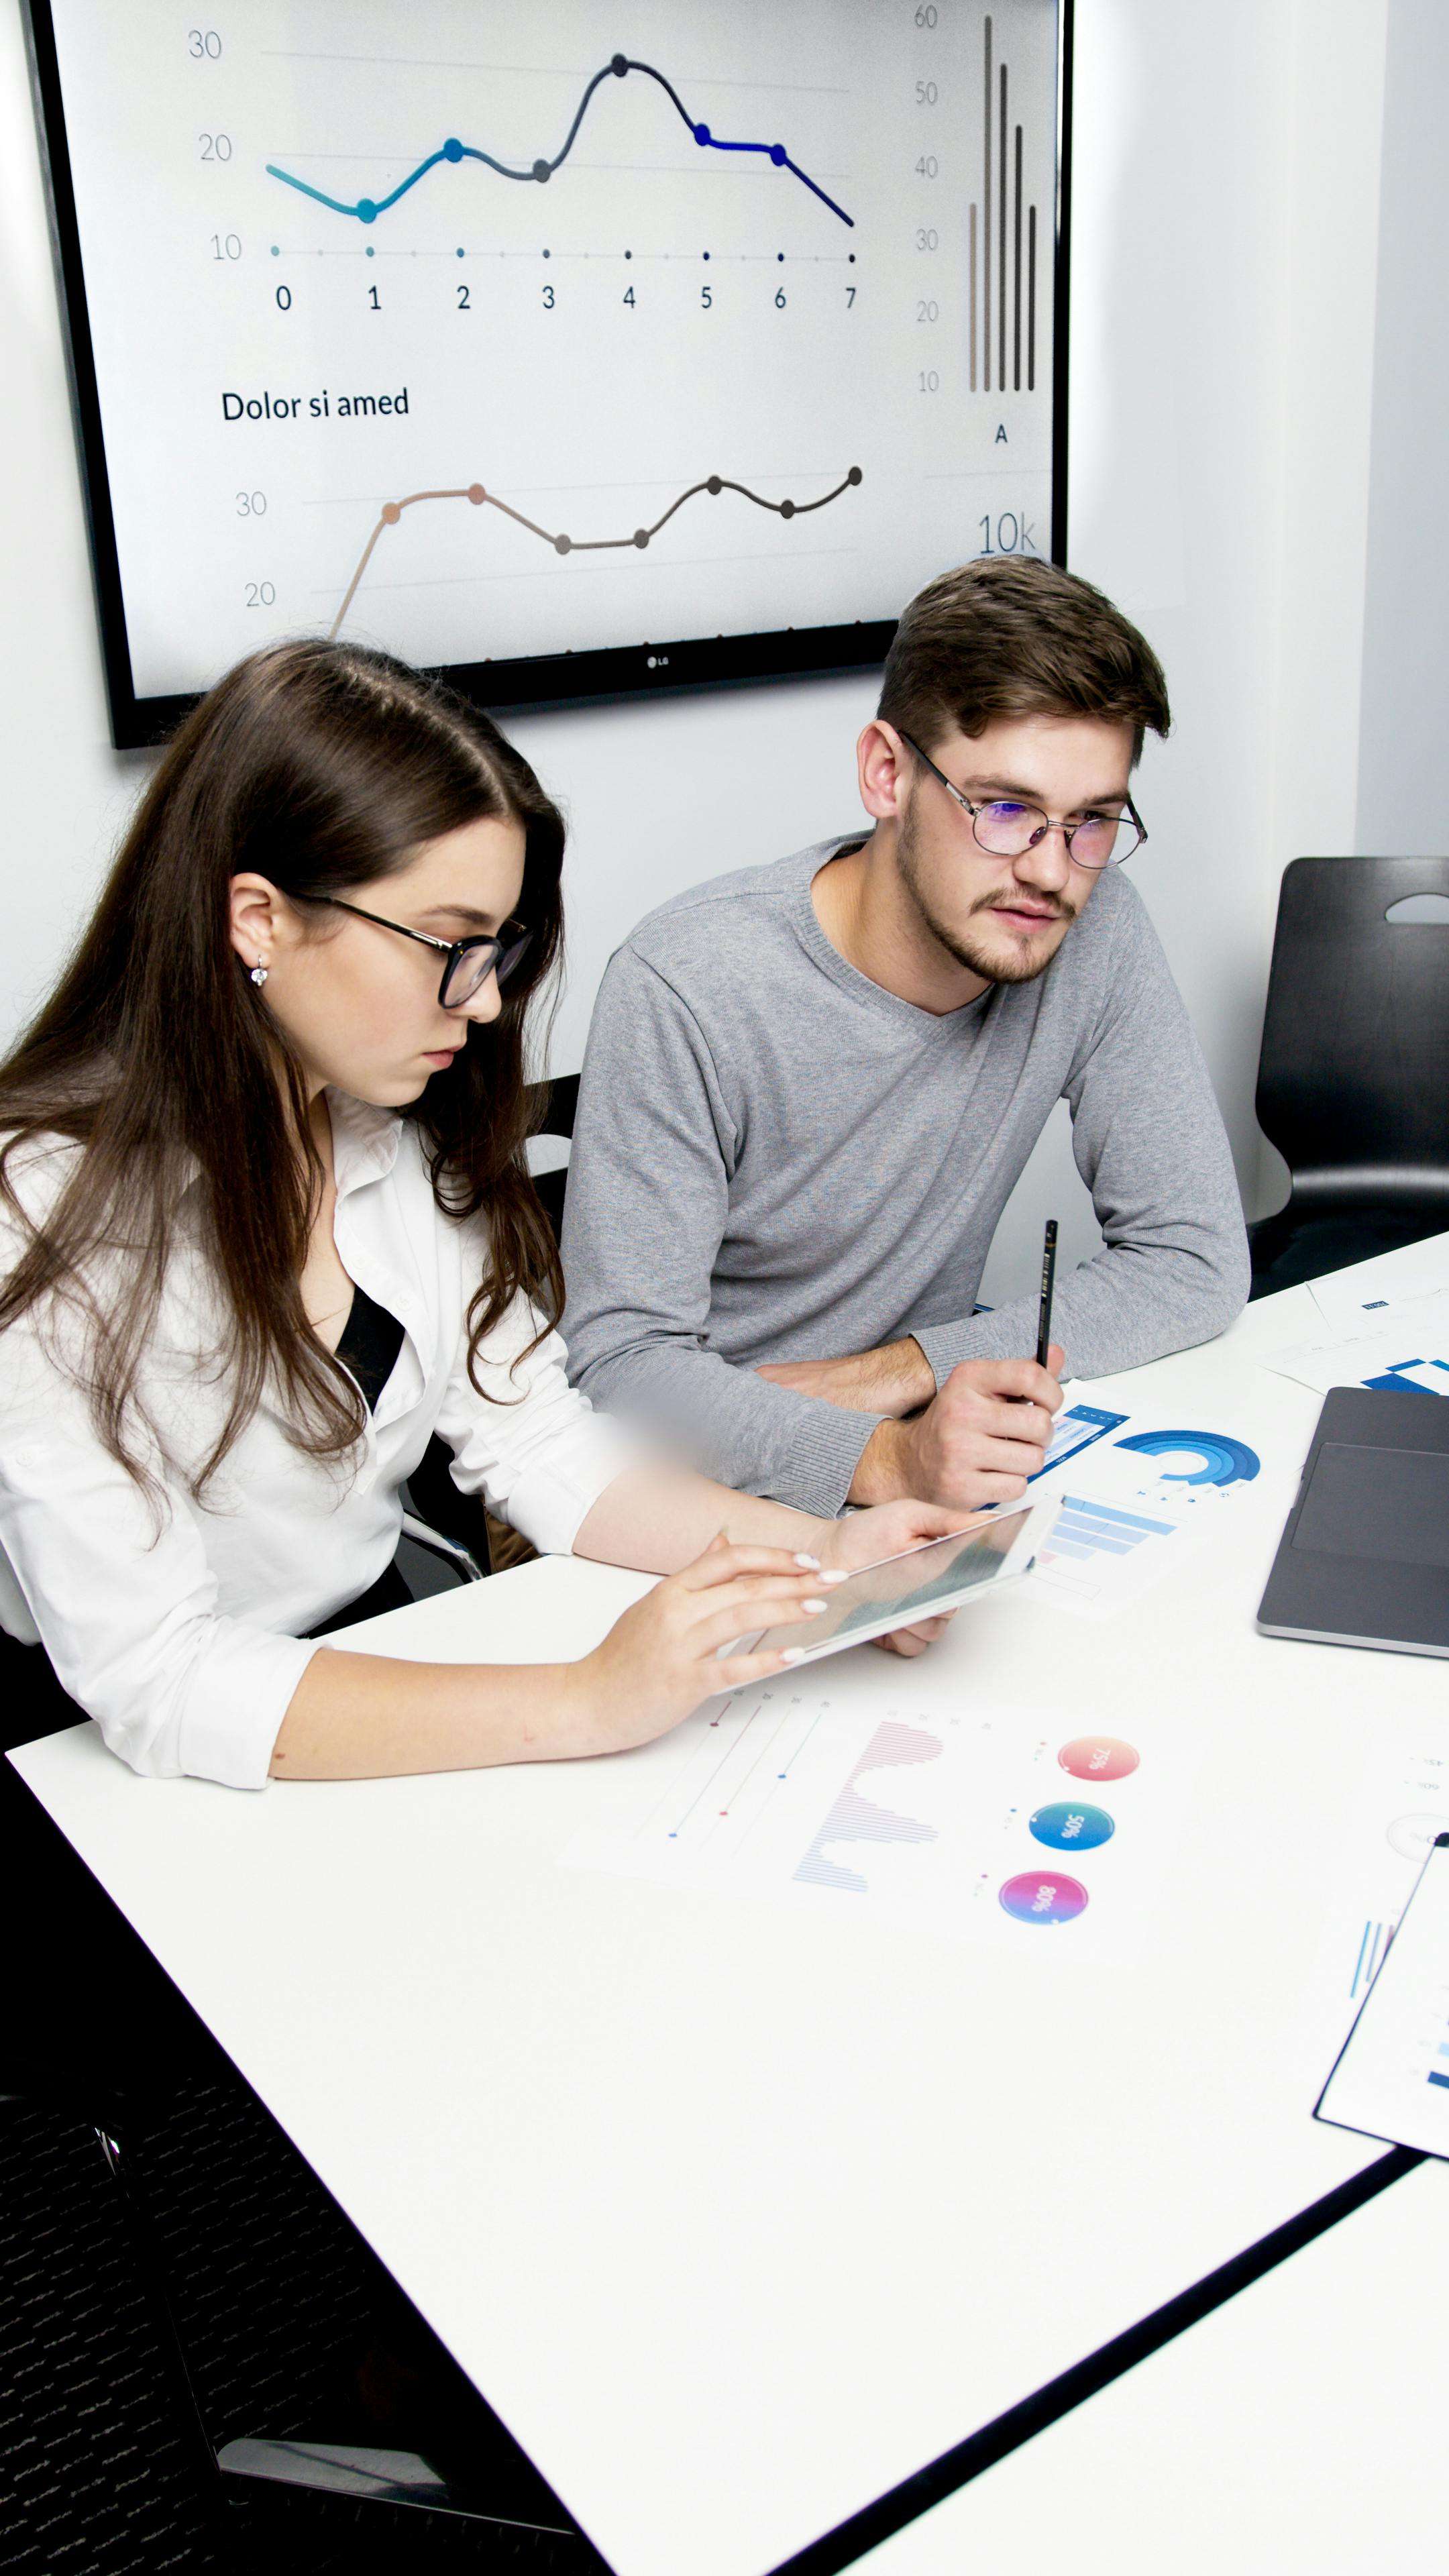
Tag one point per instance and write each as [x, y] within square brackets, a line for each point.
[555, 1107]
[1353, 1082]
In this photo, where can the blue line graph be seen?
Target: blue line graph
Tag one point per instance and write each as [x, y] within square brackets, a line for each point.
[367, 209]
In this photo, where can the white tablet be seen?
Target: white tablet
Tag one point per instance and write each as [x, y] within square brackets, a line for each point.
[922, 1583]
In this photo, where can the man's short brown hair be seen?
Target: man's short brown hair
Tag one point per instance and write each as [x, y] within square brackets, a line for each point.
[1013, 636]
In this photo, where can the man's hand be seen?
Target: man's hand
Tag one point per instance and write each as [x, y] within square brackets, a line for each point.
[896, 1379]
[980, 1440]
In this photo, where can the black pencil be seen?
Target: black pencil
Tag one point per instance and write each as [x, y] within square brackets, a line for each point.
[1048, 1282]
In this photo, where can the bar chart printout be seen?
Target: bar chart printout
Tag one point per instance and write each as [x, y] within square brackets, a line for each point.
[990, 1826]
[1400, 1804]
[1392, 2078]
[1128, 1509]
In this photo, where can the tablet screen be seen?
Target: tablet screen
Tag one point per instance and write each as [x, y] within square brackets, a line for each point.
[918, 1585]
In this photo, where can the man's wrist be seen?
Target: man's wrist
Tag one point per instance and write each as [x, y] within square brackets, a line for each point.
[882, 1472]
[915, 1379]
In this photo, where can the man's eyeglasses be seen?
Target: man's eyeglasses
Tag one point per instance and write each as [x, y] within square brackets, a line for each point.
[1008, 830]
[468, 963]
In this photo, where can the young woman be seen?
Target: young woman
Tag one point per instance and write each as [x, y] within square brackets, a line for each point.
[266, 1225]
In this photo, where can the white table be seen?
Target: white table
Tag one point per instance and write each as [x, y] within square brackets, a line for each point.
[1299, 2427]
[739, 2219]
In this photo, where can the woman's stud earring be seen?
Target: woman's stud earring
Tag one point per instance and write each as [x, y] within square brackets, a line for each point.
[259, 973]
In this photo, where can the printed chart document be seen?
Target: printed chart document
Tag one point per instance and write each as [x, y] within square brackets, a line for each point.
[1130, 1505]
[1400, 1802]
[1358, 1295]
[1381, 1342]
[874, 1798]
[1392, 2076]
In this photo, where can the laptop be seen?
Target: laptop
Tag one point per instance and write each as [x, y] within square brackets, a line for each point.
[1364, 1559]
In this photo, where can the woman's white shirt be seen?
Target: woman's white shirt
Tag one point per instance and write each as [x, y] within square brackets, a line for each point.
[185, 1641]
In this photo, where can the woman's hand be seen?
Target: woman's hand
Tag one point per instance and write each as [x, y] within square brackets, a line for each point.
[863, 1538]
[661, 1659]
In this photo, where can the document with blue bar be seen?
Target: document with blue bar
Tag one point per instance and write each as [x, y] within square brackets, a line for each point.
[1391, 2080]
[1128, 1501]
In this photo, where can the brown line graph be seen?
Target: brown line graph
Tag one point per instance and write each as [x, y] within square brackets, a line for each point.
[481, 498]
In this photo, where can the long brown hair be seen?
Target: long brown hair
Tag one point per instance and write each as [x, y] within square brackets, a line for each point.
[321, 766]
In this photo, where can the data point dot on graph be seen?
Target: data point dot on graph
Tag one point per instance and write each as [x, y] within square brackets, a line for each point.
[701, 134]
[542, 171]
[391, 513]
[854, 475]
[562, 545]
[366, 211]
[477, 495]
[452, 149]
[778, 155]
[787, 509]
[715, 485]
[641, 536]
[619, 65]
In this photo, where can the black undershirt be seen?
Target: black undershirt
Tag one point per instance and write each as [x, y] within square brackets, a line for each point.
[370, 1343]
[369, 1347]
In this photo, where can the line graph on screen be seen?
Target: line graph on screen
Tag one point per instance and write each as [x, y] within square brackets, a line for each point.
[367, 209]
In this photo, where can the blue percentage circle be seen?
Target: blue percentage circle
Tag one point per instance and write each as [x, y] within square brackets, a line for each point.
[1067, 1827]
[1222, 1461]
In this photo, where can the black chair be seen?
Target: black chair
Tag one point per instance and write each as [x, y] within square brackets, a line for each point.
[91, 2029]
[466, 2468]
[100, 2034]
[1353, 1079]
[554, 1106]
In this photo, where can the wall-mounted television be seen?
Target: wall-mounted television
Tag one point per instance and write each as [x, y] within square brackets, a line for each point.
[564, 369]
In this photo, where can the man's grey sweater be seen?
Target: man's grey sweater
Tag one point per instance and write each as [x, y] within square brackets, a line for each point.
[775, 1159]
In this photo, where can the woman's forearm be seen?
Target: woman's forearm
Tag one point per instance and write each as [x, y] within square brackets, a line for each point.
[659, 1518]
[372, 1717]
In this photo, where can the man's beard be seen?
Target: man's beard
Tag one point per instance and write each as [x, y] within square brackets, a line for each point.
[997, 965]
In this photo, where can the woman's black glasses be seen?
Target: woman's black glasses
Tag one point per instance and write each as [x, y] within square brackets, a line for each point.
[468, 963]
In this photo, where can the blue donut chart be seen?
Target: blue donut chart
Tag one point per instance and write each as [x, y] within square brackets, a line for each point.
[1224, 1461]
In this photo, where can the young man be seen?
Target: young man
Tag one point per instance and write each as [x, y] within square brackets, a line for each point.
[810, 1088]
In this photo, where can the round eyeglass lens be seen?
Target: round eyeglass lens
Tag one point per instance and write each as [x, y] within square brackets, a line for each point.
[473, 968]
[1007, 829]
[1103, 838]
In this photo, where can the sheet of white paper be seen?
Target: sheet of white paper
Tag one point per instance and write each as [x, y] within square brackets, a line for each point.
[1078, 1427]
[1400, 1802]
[1130, 1510]
[1358, 1294]
[876, 1800]
[1392, 2079]
[1395, 1342]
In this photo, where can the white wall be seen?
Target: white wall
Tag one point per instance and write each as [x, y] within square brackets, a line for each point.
[1403, 800]
[1226, 214]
